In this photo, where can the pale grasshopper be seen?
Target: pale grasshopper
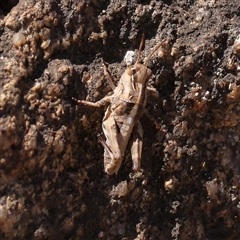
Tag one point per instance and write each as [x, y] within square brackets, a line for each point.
[121, 123]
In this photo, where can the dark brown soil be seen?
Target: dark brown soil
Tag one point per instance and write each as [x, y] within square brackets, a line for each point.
[52, 181]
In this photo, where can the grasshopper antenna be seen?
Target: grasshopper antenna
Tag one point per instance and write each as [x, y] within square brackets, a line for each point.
[140, 48]
[154, 50]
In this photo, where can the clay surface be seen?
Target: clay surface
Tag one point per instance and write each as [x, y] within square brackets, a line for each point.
[52, 182]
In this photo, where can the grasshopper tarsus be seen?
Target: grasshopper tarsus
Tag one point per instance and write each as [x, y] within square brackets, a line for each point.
[83, 102]
[158, 127]
[76, 100]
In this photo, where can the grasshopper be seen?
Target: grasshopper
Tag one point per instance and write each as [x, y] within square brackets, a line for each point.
[121, 125]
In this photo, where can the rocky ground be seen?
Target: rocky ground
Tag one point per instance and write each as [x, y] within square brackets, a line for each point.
[52, 181]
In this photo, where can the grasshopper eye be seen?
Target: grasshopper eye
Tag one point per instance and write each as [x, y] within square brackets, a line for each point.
[132, 70]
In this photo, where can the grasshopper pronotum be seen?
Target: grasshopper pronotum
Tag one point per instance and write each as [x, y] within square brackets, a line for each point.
[121, 123]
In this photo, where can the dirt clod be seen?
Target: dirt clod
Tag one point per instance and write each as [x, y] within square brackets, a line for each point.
[52, 181]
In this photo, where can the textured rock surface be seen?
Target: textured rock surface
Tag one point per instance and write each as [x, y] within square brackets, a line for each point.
[52, 182]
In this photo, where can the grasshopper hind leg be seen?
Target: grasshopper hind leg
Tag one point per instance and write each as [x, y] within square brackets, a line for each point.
[111, 164]
[136, 146]
[113, 149]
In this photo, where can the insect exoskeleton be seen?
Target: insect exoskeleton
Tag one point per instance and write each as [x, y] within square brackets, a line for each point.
[121, 125]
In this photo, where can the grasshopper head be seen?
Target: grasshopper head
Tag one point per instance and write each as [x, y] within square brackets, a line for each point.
[139, 72]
